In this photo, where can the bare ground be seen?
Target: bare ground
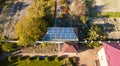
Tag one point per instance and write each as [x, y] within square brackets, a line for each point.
[109, 5]
[88, 57]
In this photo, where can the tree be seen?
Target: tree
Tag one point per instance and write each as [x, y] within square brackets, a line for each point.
[84, 19]
[32, 27]
[96, 33]
[93, 45]
[30, 30]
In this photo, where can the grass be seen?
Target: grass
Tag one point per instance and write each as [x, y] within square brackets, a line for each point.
[30, 62]
[111, 14]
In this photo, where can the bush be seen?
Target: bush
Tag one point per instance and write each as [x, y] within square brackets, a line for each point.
[47, 59]
[67, 59]
[19, 58]
[37, 59]
[74, 60]
[8, 47]
[9, 58]
[56, 59]
[28, 60]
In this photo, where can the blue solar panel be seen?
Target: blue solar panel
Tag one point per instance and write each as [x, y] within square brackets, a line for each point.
[60, 33]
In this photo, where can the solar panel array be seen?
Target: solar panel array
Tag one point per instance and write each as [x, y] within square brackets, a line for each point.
[60, 33]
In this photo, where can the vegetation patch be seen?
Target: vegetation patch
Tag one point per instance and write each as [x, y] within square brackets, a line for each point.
[37, 61]
[111, 14]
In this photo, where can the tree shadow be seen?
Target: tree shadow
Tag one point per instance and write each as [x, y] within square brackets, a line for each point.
[18, 7]
[83, 65]
[63, 57]
[52, 57]
[13, 10]
[83, 47]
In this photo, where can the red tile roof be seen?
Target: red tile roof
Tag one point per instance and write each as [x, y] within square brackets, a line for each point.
[112, 51]
[69, 47]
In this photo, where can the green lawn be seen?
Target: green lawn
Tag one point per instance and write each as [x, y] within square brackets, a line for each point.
[37, 61]
[27, 62]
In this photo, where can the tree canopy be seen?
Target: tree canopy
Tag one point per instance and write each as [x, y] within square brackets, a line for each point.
[95, 33]
[33, 26]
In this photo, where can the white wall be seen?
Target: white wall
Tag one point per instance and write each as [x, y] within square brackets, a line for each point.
[102, 58]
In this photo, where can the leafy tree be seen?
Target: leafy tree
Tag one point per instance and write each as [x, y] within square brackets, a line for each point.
[8, 47]
[29, 31]
[32, 27]
[93, 45]
[84, 19]
[96, 33]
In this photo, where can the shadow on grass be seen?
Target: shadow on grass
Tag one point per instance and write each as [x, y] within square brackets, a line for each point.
[63, 57]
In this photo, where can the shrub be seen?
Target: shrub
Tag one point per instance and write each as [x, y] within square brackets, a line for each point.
[67, 59]
[37, 59]
[28, 60]
[74, 60]
[93, 45]
[9, 58]
[47, 59]
[8, 47]
[56, 59]
[19, 58]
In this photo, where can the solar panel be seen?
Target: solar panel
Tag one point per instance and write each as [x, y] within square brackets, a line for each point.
[60, 33]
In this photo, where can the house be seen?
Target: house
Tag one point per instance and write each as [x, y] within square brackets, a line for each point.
[69, 47]
[109, 55]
